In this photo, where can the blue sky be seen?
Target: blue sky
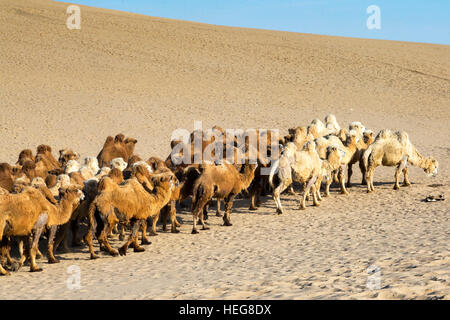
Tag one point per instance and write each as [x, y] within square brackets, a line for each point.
[418, 21]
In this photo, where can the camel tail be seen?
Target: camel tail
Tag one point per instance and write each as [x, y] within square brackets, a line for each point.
[273, 170]
[198, 191]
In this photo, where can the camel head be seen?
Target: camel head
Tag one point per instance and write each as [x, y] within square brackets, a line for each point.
[44, 149]
[38, 182]
[165, 181]
[332, 123]
[65, 155]
[131, 141]
[63, 181]
[352, 138]
[29, 169]
[368, 137]
[334, 154]
[430, 166]
[358, 127]
[72, 194]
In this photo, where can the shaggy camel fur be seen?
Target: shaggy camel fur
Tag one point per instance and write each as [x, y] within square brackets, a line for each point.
[67, 154]
[117, 147]
[331, 163]
[118, 163]
[395, 149]
[25, 155]
[302, 166]
[44, 154]
[129, 202]
[350, 147]
[223, 182]
[367, 139]
[29, 212]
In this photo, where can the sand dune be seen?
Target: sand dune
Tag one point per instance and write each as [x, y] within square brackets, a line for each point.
[146, 76]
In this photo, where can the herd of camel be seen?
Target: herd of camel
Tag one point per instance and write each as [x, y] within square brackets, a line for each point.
[119, 192]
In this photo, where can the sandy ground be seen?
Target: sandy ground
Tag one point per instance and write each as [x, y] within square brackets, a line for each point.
[147, 76]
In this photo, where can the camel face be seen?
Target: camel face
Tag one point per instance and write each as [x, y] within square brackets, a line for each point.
[431, 168]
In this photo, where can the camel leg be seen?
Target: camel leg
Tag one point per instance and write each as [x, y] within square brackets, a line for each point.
[92, 227]
[164, 214]
[406, 180]
[228, 206]
[2, 228]
[204, 227]
[51, 240]
[134, 229]
[34, 247]
[154, 221]
[276, 195]
[173, 217]
[291, 190]
[6, 251]
[327, 187]
[195, 214]
[314, 194]
[122, 232]
[317, 187]
[218, 213]
[363, 172]
[398, 172]
[306, 191]
[61, 237]
[144, 233]
[341, 176]
[103, 240]
[76, 242]
[252, 192]
[349, 174]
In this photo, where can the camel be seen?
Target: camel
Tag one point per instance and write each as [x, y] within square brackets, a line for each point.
[331, 163]
[223, 181]
[119, 163]
[395, 149]
[25, 155]
[117, 147]
[362, 145]
[302, 166]
[67, 154]
[349, 147]
[44, 155]
[129, 202]
[29, 212]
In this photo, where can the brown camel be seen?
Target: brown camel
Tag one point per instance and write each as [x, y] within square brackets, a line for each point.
[128, 203]
[117, 147]
[222, 181]
[29, 212]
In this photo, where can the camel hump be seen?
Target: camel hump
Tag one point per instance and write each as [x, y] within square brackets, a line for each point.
[120, 138]
[384, 134]
[402, 137]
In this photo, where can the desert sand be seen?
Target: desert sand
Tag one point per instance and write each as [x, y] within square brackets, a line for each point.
[146, 76]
